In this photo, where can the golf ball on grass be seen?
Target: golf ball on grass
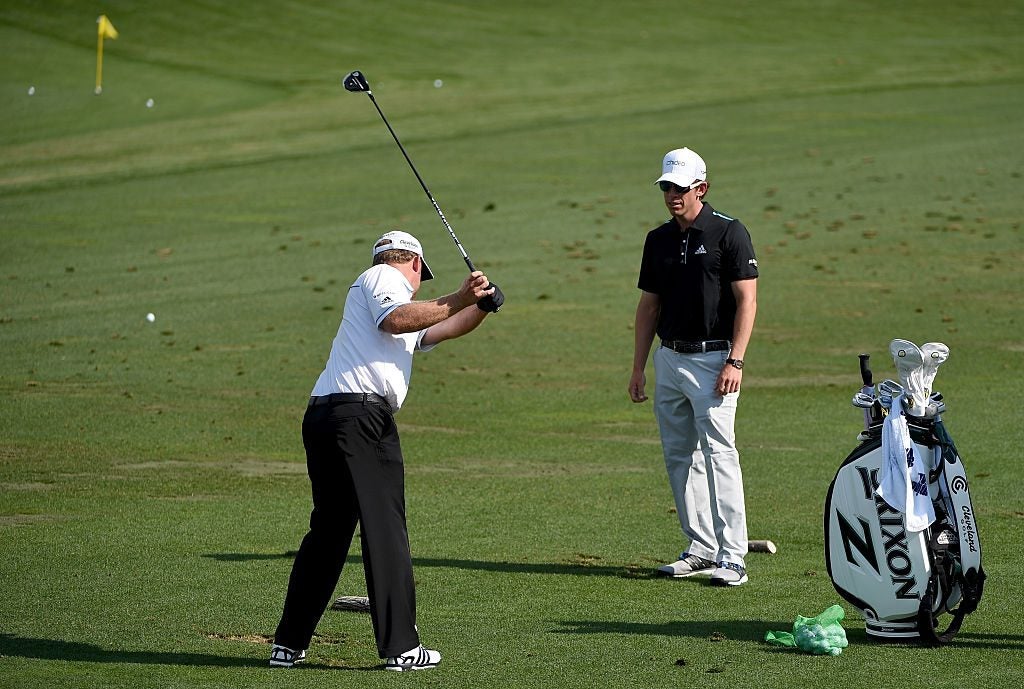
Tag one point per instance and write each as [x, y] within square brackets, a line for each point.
[149, 103]
[438, 83]
[31, 90]
[150, 317]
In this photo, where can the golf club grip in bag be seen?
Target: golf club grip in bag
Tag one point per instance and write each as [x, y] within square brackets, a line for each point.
[900, 580]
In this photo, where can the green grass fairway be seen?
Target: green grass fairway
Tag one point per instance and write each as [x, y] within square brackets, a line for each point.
[152, 479]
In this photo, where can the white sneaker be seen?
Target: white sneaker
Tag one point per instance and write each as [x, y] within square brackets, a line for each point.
[687, 566]
[282, 656]
[729, 574]
[419, 658]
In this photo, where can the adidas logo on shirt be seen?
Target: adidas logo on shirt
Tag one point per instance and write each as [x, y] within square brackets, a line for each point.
[700, 250]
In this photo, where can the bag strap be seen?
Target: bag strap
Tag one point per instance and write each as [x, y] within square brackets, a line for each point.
[972, 579]
[972, 583]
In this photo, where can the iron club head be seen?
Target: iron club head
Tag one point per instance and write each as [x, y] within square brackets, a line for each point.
[355, 82]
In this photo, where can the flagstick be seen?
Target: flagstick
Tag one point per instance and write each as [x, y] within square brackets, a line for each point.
[99, 64]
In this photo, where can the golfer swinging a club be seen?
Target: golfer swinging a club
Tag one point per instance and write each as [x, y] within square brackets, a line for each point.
[353, 452]
[698, 282]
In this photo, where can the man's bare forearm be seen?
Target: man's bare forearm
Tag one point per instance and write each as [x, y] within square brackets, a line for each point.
[745, 292]
[419, 315]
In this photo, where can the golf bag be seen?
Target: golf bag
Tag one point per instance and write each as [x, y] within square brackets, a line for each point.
[902, 580]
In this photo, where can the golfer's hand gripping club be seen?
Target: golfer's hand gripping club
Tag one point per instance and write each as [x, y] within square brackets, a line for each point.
[492, 302]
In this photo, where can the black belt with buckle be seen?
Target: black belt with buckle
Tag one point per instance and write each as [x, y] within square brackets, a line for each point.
[697, 347]
[350, 398]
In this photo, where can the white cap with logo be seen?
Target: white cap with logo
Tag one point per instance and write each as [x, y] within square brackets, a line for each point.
[398, 240]
[683, 168]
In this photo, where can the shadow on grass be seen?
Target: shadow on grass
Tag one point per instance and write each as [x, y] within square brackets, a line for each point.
[1011, 642]
[1005, 642]
[732, 630]
[251, 557]
[55, 649]
[754, 630]
[585, 568]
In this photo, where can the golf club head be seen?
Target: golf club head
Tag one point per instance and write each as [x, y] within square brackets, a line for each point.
[863, 400]
[888, 390]
[355, 82]
[909, 362]
[935, 353]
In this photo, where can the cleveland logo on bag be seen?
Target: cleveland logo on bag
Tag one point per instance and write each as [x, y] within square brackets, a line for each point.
[901, 541]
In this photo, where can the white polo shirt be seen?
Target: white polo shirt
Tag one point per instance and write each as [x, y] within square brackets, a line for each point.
[365, 358]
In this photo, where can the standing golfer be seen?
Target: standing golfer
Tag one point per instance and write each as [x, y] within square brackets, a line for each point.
[699, 295]
[353, 452]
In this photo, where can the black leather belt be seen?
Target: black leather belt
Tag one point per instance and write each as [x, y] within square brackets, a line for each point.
[350, 398]
[697, 347]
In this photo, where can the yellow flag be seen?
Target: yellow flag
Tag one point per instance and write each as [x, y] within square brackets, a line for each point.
[106, 29]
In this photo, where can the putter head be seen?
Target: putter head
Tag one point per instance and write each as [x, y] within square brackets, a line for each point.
[355, 82]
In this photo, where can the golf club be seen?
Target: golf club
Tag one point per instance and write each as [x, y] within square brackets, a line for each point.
[909, 362]
[935, 353]
[888, 390]
[872, 410]
[356, 82]
[867, 389]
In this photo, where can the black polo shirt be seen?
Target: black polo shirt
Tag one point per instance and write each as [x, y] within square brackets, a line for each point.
[693, 272]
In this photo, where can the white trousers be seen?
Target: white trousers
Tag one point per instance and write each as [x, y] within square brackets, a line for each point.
[699, 442]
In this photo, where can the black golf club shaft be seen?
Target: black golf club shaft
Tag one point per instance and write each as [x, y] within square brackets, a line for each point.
[356, 82]
[440, 213]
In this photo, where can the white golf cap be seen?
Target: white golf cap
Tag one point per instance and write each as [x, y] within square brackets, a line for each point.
[403, 241]
[683, 167]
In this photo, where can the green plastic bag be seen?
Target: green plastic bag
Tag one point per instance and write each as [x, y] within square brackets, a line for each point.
[821, 635]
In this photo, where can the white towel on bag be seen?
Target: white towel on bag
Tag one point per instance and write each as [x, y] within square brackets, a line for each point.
[903, 483]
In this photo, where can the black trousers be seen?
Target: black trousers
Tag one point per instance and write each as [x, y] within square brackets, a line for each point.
[354, 459]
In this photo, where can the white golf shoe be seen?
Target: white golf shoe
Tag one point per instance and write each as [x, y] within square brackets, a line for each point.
[282, 656]
[729, 574]
[419, 658]
[686, 566]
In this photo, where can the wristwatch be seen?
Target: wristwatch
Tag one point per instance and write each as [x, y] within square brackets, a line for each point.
[738, 363]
